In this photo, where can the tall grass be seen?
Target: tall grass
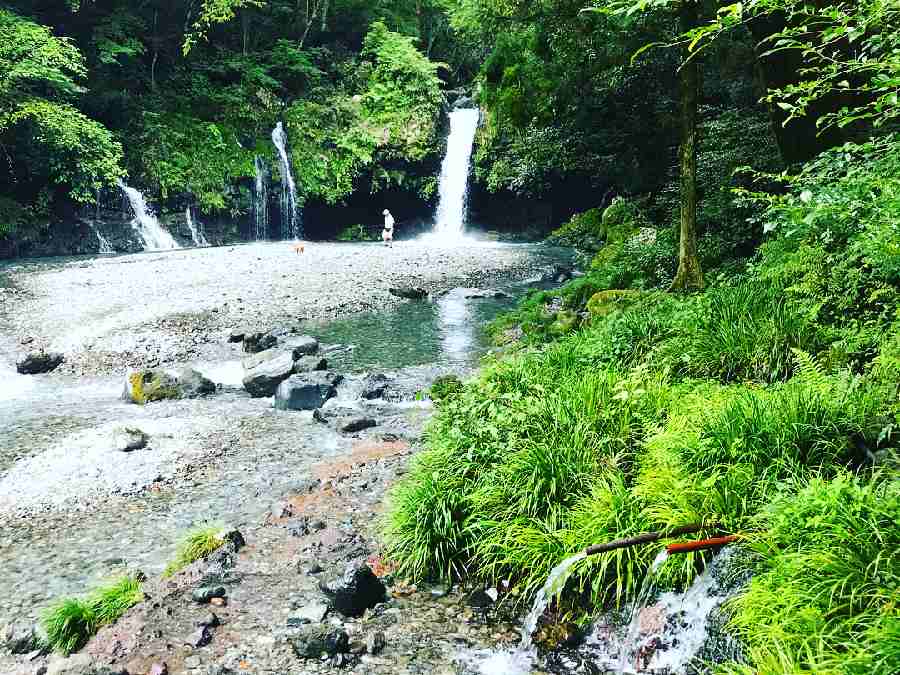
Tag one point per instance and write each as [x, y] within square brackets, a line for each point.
[196, 544]
[71, 622]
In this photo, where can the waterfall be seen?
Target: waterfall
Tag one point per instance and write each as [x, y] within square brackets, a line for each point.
[454, 184]
[290, 217]
[154, 237]
[105, 246]
[196, 229]
[261, 201]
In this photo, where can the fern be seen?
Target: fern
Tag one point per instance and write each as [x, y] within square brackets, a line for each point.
[809, 372]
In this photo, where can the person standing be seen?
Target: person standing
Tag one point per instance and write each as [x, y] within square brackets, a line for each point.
[387, 235]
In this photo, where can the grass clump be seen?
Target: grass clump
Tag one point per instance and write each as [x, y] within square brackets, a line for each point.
[71, 622]
[197, 544]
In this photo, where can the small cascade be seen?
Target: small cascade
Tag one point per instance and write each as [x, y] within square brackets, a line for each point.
[454, 182]
[261, 201]
[153, 236]
[290, 214]
[105, 246]
[519, 661]
[197, 234]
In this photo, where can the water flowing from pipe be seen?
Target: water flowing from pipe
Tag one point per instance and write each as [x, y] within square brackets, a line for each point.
[290, 215]
[261, 201]
[450, 221]
[153, 236]
[197, 234]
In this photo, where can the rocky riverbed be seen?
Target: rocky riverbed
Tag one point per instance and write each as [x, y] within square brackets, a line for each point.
[74, 509]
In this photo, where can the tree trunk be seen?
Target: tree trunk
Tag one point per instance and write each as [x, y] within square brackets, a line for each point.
[689, 276]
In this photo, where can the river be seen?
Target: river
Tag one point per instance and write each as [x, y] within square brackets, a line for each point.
[72, 509]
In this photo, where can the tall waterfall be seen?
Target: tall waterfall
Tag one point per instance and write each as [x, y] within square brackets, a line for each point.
[197, 233]
[261, 201]
[454, 184]
[155, 238]
[290, 216]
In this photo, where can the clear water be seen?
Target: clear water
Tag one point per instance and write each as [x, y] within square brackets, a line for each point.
[145, 224]
[261, 200]
[454, 181]
[105, 246]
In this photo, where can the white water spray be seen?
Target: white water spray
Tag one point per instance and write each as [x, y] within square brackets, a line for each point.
[454, 184]
[290, 216]
[197, 234]
[261, 201]
[105, 246]
[154, 237]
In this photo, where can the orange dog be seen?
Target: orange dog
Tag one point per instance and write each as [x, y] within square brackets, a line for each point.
[299, 248]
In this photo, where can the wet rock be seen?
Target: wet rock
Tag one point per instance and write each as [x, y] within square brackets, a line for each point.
[354, 591]
[262, 380]
[36, 363]
[237, 335]
[200, 637]
[375, 643]
[483, 294]
[314, 612]
[409, 293]
[303, 345]
[306, 392]
[557, 274]
[20, 638]
[320, 416]
[129, 440]
[233, 537]
[352, 425]
[259, 341]
[146, 386]
[204, 594]
[308, 364]
[375, 386]
[313, 641]
[479, 599]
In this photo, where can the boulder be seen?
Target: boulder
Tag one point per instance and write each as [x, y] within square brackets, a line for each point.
[311, 641]
[375, 386]
[200, 637]
[39, 362]
[204, 594]
[308, 391]
[409, 293]
[129, 440]
[20, 638]
[264, 377]
[557, 274]
[146, 386]
[237, 335]
[354, 591]
[314, 612]
[483, 294]
[309, 364]
[352, 425]
[259, 358]
[259, 341]
[302, 345]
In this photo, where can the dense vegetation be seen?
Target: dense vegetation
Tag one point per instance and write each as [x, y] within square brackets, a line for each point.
[767, 405]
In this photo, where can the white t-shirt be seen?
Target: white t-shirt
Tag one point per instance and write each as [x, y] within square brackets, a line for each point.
[389, 222]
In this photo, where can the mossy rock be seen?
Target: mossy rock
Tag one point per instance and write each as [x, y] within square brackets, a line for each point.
[147, 386]
[566, 321]
[445, 387]
[605, 303]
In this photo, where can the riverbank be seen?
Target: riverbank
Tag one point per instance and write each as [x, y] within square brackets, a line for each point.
[77, 512]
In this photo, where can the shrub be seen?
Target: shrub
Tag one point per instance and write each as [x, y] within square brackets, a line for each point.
[71, 622]
[197, 544]
[584, 230]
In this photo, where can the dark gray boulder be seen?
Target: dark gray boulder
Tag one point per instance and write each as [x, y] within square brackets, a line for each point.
[259, 341]
[352, 425]
[302, 345]
[309, 364]
[308, 391]
[354, 591]
[37, 363]
[483, 294]
[128, 440]
[204, 594]
[409, 293]
[311, 641]
[375, 386]
[263, 378]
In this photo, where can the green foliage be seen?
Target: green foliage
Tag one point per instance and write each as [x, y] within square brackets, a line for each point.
[71, 622]
[444, 388]
[356, 232]
[582, 230]
[195, 545]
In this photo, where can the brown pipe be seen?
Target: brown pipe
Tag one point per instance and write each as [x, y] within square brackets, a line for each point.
[702, 544]
[647, 538]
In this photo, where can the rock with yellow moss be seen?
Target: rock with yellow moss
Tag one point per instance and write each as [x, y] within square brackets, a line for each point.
[146, 386]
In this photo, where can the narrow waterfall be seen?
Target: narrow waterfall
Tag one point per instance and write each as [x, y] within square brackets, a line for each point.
[197, 234]
[154, 237]
[290, 216]
[261, 201]
[454, 184]
[105, 246]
